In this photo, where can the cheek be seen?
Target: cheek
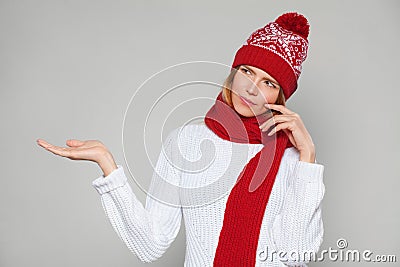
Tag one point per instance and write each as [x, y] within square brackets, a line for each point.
[240, 83]
[270, 96]
[235, 99]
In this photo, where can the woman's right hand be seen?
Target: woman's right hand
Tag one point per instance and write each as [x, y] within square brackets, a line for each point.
[92, 150]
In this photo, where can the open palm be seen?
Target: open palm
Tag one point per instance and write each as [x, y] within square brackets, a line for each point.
[91, 150]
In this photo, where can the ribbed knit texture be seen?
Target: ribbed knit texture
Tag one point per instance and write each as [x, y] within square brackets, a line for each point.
[292, 219]
[269, 62]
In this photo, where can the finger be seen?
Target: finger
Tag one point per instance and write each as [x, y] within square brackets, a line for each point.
[275, 119]
[268, 123]
[61, 151]
[290, 135]
[43, 143]
[278, 127]
[74, 143]
[40, 141]
[280, 108]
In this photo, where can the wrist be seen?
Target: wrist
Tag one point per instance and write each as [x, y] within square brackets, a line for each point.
[107, 163]
[308, 156]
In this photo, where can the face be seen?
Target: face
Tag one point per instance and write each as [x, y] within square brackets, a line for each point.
[252, 88]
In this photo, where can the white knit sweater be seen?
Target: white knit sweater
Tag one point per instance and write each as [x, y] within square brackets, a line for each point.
[192, 179]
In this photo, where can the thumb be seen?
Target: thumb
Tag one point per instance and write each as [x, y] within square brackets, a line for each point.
[74, 143]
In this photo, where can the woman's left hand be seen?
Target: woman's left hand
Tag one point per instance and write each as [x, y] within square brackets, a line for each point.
[291, 123]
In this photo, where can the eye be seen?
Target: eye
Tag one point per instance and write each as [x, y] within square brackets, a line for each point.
[245, 70]
[270, 84]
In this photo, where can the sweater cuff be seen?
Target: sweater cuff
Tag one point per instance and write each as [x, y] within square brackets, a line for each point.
[310, 172]
[115, 179]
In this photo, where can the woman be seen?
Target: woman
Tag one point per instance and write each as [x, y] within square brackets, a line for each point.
[258, 203]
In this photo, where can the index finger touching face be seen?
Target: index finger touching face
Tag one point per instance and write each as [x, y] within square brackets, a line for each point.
[280, 108]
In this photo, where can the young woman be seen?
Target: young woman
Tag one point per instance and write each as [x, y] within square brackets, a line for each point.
[258, 201]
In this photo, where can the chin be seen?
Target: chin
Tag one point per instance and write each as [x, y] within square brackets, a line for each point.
[246, 112]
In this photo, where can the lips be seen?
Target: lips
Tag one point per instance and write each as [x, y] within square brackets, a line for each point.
[246, 101]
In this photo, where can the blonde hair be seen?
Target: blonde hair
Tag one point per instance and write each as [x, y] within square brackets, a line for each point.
[227, 92]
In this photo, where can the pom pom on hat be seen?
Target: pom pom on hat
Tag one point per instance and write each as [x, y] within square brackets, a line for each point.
[294, 22]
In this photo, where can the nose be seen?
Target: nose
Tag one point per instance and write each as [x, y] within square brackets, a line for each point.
[252, 89]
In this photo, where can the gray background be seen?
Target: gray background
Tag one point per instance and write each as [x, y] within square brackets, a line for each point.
[69, 68]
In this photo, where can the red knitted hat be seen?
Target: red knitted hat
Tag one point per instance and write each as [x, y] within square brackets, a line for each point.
[279, 48]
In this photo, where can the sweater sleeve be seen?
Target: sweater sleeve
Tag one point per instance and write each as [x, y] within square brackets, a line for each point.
[298, 230]
[147, 231]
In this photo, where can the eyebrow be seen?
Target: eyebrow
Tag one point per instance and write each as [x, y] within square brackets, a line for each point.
[267, 78]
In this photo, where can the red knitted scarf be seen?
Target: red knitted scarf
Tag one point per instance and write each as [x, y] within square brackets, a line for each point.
[238, 240]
